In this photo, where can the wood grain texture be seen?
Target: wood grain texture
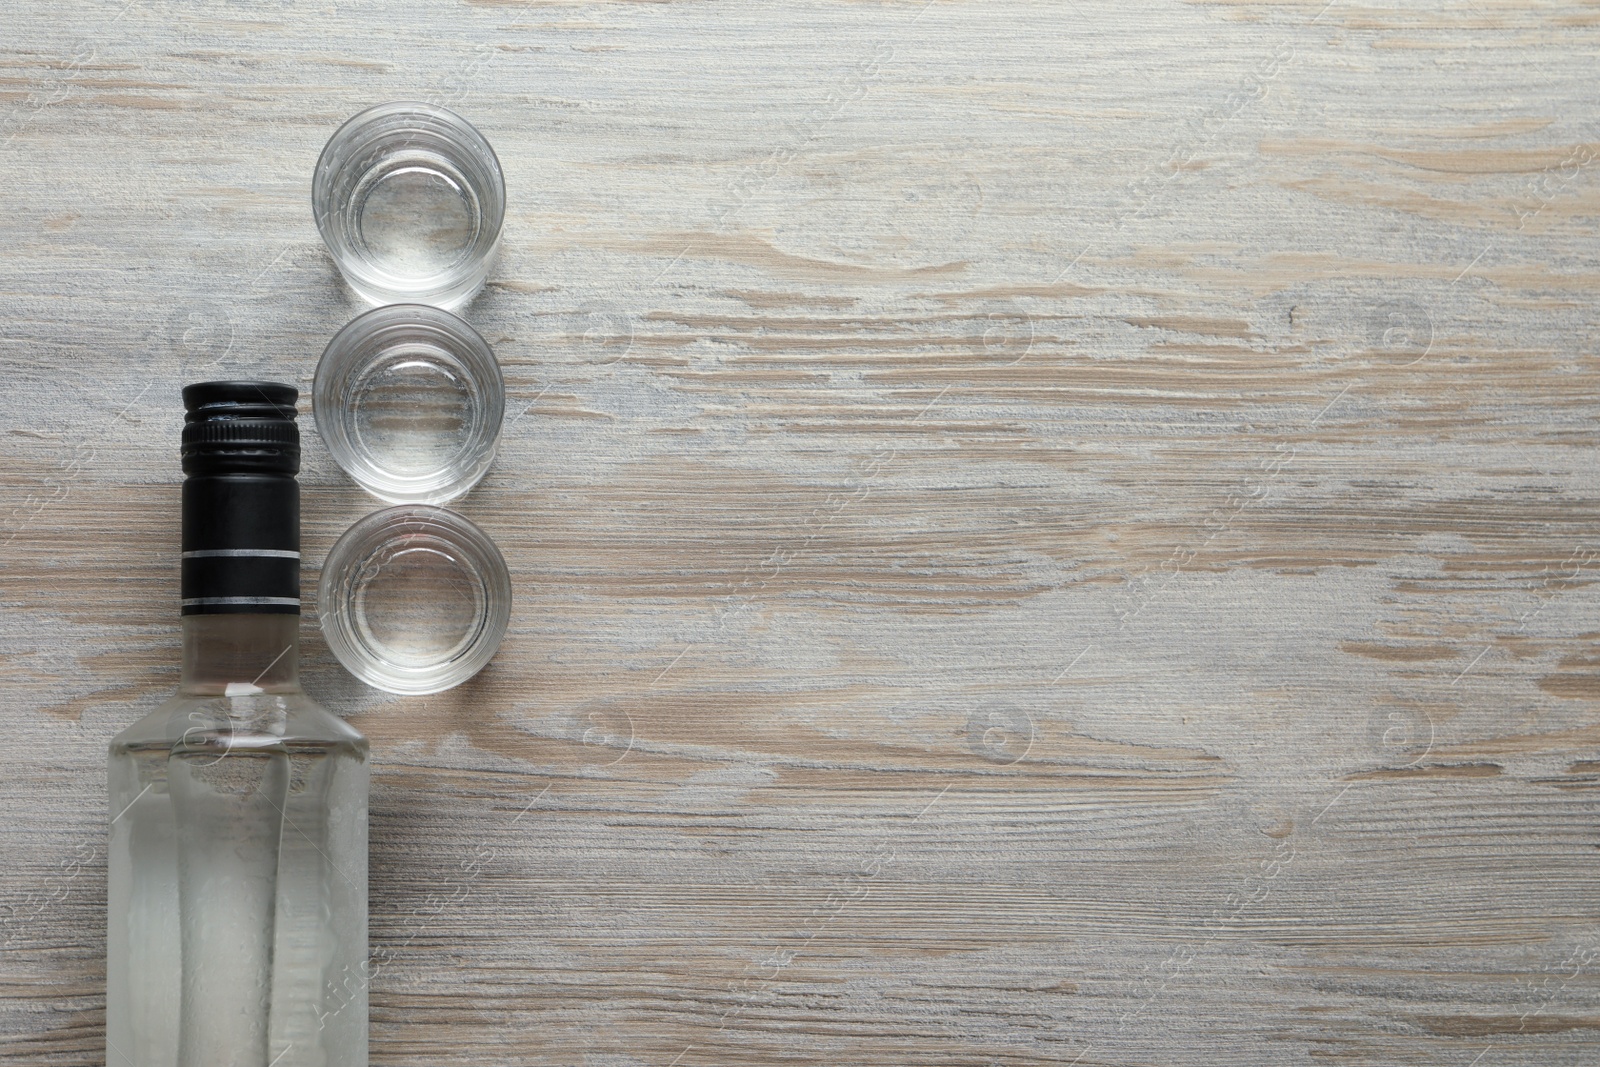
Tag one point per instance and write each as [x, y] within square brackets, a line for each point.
[1043, 533]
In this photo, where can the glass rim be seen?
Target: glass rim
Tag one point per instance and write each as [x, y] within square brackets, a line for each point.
[346, 564]
[361, 341]
[447, 288]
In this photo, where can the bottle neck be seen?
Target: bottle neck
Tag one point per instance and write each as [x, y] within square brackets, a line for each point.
[240, 651]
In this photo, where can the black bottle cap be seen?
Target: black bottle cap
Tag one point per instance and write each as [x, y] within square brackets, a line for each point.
[241, 504]
[240, 426]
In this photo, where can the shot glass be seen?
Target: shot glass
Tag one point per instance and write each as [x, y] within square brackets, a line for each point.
[409, 400]
[409, 198]
[414, 599]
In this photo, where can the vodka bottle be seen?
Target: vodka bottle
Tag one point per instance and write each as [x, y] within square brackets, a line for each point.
[237, 926]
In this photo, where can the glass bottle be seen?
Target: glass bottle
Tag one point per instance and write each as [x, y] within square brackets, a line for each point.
[237, 925]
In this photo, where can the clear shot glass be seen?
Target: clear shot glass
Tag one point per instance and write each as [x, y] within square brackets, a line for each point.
[409, 400]
[414, 599]
[410, 198]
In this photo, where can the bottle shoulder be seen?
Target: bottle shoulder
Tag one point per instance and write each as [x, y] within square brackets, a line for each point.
[292, 717]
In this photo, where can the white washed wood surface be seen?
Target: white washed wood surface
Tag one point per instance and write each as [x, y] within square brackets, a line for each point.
[1043, 533]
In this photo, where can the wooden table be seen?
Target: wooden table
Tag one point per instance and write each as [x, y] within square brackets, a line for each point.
[1043, 533]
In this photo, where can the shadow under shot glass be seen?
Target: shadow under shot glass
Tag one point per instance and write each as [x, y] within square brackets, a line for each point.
[409, 400]
[414, 599]
[410, 198]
